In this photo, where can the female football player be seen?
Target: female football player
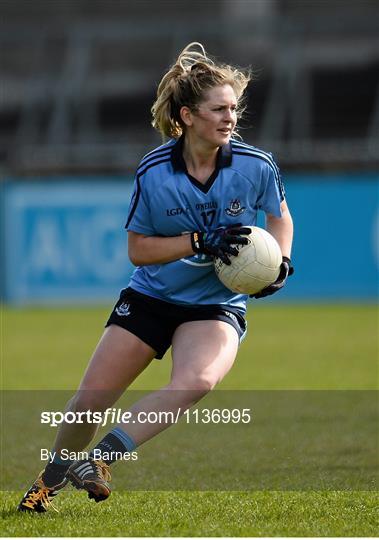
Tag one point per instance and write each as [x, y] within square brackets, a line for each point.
[193, 200]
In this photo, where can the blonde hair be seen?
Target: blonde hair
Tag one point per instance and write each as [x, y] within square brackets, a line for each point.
[193, 73]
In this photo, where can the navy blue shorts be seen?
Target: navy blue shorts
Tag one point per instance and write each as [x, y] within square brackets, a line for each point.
[155, 321]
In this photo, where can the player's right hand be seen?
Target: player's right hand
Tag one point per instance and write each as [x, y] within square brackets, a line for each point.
[286, 269]
[220, 242]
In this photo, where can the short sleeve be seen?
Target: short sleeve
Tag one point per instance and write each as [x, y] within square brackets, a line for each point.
[139, 217]
[272, 190]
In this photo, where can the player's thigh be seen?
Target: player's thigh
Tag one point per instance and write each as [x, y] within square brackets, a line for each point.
[202, 352]
[119, 358]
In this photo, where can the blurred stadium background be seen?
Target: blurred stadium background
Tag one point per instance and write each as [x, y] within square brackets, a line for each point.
[78, 81]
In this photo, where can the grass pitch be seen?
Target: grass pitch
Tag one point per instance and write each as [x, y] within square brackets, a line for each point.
[288, 348]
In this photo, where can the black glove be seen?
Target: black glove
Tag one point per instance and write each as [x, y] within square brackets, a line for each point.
[286, 269]
[219, 243]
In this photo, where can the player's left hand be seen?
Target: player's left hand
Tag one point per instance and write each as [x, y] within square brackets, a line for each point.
[286, 269]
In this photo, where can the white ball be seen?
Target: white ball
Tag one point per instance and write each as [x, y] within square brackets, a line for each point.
[256, 266]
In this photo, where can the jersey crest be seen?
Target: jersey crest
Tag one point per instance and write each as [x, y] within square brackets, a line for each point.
[123, 310]
[235, 209]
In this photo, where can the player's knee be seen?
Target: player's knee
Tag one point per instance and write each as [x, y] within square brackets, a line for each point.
[204, 384]
[195, 386]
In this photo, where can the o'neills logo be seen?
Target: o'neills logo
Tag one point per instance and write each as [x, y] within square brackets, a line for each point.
[235, 208]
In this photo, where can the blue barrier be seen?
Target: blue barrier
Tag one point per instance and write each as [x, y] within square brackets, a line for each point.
[336, 250]
[64, 241]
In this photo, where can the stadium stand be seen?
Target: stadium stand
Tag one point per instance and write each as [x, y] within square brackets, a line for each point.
[78, 78]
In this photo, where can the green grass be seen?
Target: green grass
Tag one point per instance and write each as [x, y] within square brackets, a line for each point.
[287, 347]
[202, 514]
[326, 347]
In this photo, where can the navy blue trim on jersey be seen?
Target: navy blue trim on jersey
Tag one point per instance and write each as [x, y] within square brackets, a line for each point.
[162, 151]
[135, 203]
[246, 150]
[223, 159]
[272, 164]
[257, 151]
[165, 154]
[149, 166]
[138, 188]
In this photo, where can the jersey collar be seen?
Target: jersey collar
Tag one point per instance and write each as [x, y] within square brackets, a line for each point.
[223, 159]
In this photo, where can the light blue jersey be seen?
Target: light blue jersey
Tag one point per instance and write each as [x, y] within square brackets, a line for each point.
[167, 201]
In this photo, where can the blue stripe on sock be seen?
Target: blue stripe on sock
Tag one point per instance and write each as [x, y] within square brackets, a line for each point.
[59, 461]
[126, 439]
